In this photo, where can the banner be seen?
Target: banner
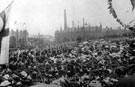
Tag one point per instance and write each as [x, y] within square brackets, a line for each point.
[4, 35]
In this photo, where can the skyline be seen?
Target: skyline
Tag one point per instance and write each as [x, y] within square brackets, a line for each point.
[47, 16]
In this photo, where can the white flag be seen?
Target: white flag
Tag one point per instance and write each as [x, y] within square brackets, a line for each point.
[4, 35]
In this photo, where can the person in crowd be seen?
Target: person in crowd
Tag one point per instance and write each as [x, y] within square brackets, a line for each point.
[96, 63]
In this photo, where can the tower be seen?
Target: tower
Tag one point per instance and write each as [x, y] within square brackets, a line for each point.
[100, 26]
[83, 22]
[65, 20]
[73, 24]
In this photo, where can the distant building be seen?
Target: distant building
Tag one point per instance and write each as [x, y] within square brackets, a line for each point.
[18, 38]
[40, 41]
[87, 32]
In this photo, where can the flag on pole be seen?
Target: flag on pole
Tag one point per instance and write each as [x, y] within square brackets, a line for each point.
[4, 34]
[133, 4]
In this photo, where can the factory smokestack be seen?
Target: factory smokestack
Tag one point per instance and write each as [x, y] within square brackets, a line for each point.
[65, 20]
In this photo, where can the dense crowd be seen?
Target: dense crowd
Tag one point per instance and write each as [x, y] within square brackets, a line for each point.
[97, 63]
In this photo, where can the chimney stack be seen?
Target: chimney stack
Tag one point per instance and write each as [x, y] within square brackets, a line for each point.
[65, 20]
[73, 24]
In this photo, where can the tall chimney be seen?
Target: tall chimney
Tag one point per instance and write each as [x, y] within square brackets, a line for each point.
[65, 20]
[83, 22]
[73, 24]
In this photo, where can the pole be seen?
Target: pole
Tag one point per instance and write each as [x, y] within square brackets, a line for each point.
[39, 70]
[83, 29]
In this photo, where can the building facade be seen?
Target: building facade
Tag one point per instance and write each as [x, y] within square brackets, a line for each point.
[18, 38]
[87, 32]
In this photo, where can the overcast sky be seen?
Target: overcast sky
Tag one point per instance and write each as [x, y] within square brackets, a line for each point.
[46, 16]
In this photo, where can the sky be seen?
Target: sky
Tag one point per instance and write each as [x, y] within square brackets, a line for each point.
[47, 16]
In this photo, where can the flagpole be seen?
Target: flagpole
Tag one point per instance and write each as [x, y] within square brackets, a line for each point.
[8, 6]
[38, 69]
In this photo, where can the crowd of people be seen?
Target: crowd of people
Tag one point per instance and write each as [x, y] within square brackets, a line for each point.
[96, 63]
